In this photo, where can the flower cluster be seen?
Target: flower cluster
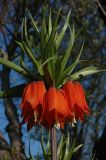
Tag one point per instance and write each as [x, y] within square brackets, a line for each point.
[53, 106]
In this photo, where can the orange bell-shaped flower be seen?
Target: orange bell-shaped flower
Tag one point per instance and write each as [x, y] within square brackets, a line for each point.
[55, 108]
[76, 99]
[32, 101]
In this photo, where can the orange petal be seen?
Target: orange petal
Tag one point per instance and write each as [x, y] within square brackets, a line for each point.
[70, 94]
[56, 101]
[81, 101]
[34, 93]
[41, 91]
[55, 106]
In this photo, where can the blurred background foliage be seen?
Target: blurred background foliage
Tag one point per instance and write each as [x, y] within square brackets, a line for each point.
[89, 23]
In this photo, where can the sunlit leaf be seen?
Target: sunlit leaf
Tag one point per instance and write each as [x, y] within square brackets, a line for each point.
[77, 148]
[86, 72]
[50, 24]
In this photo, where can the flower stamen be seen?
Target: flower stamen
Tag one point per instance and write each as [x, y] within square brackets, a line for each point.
[35, 116]
[73, 122]
[57, 125]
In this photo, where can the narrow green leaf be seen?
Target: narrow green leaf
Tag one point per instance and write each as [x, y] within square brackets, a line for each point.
[50, 48]
[93, 158]
[91, 62]
[56, 20]
[43, 39]
[48, 142]
[20, 45]
[69, 49]
[71, 150]
[69, 69]
[30, 55]
[50, 23]
[24, 29]
[60, 146]
[60, 37]
[28, 52]
[26, 37]
[22, 64]
[51, 65]
[44, 32]
[15, 67]
[67, 147]
[77, 148]
[34, 44]
[43, 148]
[32, 20]
[26, 48]
[45, 62]
[26, 44]
[65, 58]
[51, 41]
[87, 71]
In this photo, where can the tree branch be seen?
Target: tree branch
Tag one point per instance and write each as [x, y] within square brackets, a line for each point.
[100, 6]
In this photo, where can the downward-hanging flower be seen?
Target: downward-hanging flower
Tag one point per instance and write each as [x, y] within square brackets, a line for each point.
[76, 99]
[55, 107]
[32, 101]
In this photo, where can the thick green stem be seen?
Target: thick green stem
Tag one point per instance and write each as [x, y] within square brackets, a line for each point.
[53, 144]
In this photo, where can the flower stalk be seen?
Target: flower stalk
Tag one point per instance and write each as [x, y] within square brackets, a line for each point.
[53, 144]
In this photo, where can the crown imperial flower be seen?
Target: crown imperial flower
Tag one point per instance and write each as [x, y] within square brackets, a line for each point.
[32, 102]
[76, 99]
[53, 106]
